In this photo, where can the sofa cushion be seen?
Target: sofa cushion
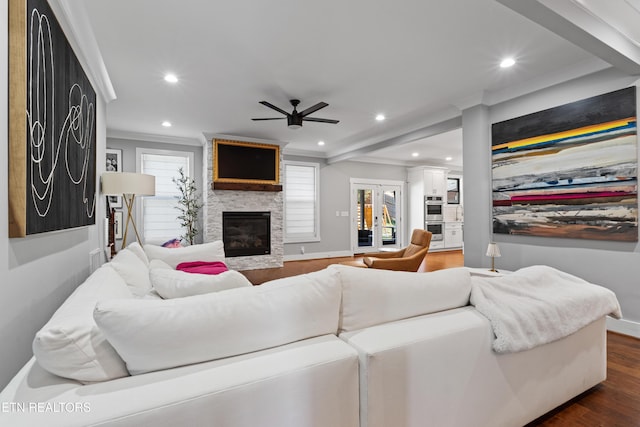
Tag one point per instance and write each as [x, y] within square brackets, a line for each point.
[152, 335]
[70, 344]
[371, 297]
[139, 251]
[213, 251]
[133, 270]
[178, 284]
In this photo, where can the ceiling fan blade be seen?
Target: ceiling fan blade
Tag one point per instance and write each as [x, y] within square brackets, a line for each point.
[272, 118]
[313, 109]
[314, 119]
[270, 105]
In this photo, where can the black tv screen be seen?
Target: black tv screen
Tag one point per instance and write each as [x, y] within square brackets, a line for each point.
[246, 162]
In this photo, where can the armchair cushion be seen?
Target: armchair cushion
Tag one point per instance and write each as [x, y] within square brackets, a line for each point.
[407, 259]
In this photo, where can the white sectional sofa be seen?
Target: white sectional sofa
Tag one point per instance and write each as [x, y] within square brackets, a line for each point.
[340, 347]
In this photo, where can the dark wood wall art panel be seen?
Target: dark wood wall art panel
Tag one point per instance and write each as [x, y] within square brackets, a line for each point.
[52, 139]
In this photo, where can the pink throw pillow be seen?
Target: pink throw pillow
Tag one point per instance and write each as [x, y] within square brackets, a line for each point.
[202, 267]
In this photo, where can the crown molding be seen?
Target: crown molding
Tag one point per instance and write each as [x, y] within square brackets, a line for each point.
[150, 137]
[73, 18]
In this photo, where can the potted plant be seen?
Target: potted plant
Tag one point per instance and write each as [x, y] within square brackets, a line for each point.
[189, 205]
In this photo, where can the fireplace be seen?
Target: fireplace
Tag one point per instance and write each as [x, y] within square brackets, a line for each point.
[246, 233]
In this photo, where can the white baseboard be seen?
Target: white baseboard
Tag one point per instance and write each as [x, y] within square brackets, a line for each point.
[317, 255]
[626, 327]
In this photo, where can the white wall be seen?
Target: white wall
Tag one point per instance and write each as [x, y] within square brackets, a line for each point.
[615, 265]
[128, 147]
[38, 272]
[334, 196]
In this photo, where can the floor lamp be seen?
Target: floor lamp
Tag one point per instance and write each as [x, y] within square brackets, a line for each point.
[129, 185]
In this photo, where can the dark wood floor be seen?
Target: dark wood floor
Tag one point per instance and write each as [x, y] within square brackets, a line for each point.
[613, 403]
[432, 262]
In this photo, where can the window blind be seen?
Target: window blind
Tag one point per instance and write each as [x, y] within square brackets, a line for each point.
[159, 213]
[301, 201]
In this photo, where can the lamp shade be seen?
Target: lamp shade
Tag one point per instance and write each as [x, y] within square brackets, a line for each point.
[117, 183]
[493, 250]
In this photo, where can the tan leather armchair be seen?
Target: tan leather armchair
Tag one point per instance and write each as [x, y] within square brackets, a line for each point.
[407, 259]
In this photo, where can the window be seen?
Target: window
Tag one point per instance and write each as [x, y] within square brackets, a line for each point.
[301, 222]
[159, 213]
[453, 191]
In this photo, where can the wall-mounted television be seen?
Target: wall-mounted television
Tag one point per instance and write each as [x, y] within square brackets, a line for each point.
[246, 162]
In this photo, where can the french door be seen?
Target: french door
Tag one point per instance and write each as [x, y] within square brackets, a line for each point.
[376, 216]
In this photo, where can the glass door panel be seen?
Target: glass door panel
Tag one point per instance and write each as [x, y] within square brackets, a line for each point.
[376, 217]
[390, 211]
[365, 221]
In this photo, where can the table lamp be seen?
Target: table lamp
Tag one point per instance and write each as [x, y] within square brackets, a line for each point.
[494, 252]
[129, 185]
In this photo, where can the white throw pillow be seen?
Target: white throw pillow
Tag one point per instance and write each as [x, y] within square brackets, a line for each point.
[152, 335]
[178, 284]
[70, 344]
[213, 251]
[371, 296]
[139, 251]
[159, 264]
[133, 270]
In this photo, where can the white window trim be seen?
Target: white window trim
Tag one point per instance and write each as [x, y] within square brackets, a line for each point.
[303, 239]
[139, 152]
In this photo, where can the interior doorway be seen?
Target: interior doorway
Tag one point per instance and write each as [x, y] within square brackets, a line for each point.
[376, 212]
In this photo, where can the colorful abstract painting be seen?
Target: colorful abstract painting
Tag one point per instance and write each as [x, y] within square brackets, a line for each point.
[569, 171]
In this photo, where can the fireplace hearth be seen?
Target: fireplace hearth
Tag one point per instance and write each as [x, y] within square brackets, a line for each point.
[246, 233]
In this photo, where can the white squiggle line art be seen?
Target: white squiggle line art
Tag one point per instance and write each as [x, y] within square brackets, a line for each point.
[78, 124]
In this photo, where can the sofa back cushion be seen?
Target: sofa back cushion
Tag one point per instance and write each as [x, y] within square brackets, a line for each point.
[151, 335]
[213, 251]
[133, 270]
[137, 249]
[171, 283]
[371, 297]
[70, 344]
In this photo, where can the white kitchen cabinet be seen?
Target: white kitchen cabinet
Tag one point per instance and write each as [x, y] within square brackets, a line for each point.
[452, 235]
[436, 245]
[435, 182]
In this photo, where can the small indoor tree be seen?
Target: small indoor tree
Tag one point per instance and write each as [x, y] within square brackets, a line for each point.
[189, 205]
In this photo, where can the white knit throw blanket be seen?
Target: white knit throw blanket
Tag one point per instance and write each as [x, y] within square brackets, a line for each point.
[537, 305]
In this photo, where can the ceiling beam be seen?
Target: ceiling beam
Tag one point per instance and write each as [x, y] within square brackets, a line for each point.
[425, 132]
[571, 21]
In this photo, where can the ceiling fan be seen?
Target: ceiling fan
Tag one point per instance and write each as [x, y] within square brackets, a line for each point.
[295, 118]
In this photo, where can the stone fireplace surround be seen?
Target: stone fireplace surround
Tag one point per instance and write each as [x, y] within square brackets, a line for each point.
[218, 201]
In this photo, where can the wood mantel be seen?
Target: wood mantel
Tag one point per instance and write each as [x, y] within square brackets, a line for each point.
[241, 186]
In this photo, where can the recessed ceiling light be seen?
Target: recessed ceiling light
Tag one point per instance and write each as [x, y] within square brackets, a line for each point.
[507, 62]
[320, 142]
[448, 159]
[415, 154]
[166, 124]
[380, 117]
[171, 78]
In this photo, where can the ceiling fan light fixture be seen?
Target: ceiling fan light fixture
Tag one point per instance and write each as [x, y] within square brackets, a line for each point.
[294, 121]
[295, 118]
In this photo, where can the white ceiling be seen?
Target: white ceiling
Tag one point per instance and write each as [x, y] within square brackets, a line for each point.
[418, 62]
